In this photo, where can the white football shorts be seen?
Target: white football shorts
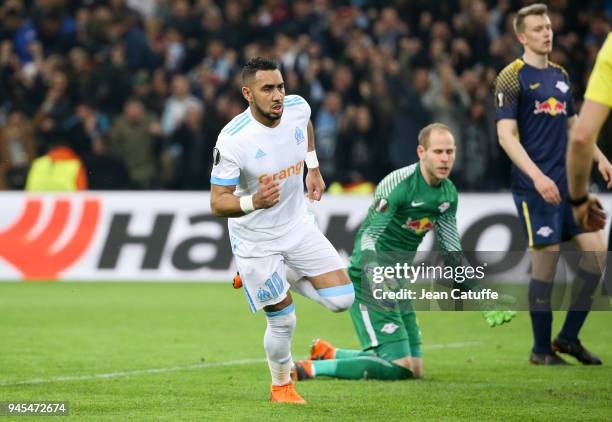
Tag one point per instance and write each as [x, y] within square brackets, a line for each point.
[262, 265]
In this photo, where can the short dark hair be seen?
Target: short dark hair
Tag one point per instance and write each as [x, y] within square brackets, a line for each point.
[256, 64]
[534, 9]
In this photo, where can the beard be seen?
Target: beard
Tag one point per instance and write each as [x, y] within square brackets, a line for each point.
[268, 116]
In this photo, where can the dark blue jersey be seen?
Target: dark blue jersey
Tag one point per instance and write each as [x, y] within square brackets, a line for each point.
[540, 100]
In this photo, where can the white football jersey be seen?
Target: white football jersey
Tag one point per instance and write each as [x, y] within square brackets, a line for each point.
[247, 151]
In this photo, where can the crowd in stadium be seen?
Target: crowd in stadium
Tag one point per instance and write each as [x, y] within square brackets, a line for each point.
[139, 89]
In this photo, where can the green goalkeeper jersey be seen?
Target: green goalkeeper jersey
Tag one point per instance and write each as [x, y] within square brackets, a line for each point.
[404, 209]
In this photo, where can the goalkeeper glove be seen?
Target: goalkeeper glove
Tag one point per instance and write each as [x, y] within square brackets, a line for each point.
[495, 318]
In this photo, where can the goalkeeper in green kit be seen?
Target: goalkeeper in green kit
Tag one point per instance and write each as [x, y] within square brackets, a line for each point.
[407, 204]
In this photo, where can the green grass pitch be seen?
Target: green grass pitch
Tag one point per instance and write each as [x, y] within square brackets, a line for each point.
[180, 351]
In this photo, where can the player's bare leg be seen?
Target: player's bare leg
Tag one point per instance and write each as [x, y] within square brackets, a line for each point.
[333, 289]
[277, 342]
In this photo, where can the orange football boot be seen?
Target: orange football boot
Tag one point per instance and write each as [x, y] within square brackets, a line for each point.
[321, 350]
[237, 281]
[285, 394]
[302, 370]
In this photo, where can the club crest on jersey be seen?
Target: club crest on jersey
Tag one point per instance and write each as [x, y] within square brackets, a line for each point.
[444, 206]
[299, 135]
[418, 226]
[551, 106]
[216, 156]
[562, 86]
[381, 205]
[264, 295]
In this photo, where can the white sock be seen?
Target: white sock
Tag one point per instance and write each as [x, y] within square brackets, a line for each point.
[277, 342]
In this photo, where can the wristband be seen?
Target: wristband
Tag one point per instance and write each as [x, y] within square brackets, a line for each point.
[246, 204]
[311, 160]
[578, 201]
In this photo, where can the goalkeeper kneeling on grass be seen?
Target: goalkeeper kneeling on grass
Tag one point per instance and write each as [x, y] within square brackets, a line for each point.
[407, 204]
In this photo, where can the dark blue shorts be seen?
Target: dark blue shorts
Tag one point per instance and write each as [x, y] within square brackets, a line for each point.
[544, 223]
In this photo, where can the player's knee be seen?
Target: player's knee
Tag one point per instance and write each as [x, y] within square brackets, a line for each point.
[544, 262]
[339, 298]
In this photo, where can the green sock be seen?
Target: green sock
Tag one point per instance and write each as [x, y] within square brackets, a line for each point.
[361, 367]
[348, 353]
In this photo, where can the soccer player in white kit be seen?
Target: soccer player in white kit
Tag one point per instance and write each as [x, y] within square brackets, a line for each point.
[257, 182]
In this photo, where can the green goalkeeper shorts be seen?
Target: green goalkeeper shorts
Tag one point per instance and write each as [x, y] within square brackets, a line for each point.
[392, 334]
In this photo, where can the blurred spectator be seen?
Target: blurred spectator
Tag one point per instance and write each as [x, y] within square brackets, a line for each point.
[59, 170]
[134, 137]
[105, 171]
[192, 143]
[55, 109]
[360, 154]
[327, 125]
[447, 102]
[112, 82]
[86, 128]
[397, 65]
[408, 116]
[17, 150]
[177, 105]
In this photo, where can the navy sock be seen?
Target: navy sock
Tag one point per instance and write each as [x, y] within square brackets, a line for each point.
[541, 315]
[581, 304]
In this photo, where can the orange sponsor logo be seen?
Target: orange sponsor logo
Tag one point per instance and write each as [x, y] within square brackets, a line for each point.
[292, 170]
[35, 257]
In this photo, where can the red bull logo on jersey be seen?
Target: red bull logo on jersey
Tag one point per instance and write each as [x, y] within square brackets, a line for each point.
[292, 170]
[418, 226]
[551, 106]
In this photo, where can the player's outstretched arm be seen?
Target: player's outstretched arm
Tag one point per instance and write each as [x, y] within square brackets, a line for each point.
[450, 247]
[587, 210]
[315, 185]
[506, 131]
[224, 203]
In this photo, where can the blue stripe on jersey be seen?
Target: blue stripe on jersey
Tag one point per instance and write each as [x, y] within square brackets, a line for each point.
[294, 100]
[282, 312]
[224, 182]
[343, 289]
[235, 122]
[239, 127]
[293, 104]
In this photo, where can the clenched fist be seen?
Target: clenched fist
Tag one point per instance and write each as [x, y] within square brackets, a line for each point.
[267, 195]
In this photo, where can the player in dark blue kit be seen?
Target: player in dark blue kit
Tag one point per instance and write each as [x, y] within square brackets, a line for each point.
[534, 111]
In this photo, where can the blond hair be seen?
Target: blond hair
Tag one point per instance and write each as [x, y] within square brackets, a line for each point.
[425, 133]
[534, 9]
